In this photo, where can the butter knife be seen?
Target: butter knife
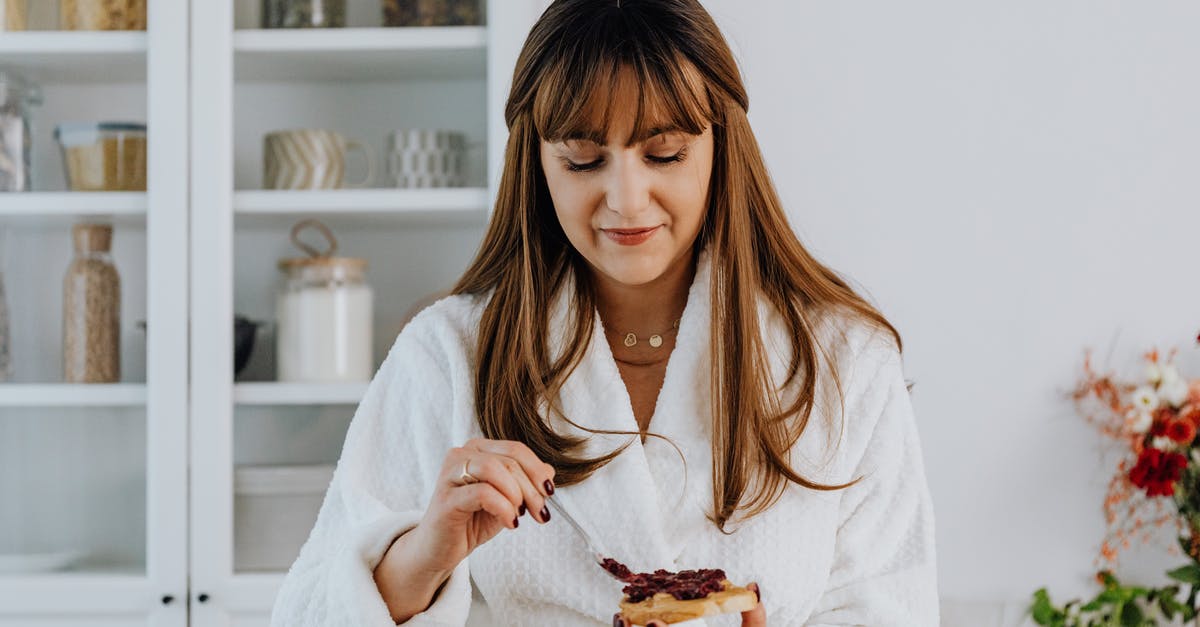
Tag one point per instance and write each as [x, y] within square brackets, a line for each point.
[593, 545]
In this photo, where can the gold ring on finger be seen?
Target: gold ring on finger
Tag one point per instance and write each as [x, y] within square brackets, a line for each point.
[466, 477]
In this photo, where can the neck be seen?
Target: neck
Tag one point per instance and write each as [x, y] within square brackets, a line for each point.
[646, 309]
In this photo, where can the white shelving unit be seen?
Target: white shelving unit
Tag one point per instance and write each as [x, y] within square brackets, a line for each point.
[280, 394]
[361, 54]
[76, 57]
[72, 395]
[362, 81]
[59, 209]
[103, 468]
[141, 471]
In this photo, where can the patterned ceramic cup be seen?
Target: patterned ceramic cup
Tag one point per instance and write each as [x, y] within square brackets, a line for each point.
[426, 158]
[310, 159]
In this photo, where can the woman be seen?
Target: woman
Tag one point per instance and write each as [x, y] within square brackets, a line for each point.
[643, 336]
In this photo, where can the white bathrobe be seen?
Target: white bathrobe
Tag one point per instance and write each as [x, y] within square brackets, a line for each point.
[859, 556]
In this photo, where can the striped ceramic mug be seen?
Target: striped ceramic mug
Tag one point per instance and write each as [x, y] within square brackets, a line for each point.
[426, 158]
[310, 159]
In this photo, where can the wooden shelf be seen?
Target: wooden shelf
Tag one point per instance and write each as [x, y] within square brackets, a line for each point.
[364, 207]
[76, 57]
[72, 395]
[298, 393]
[61, 208]
[361, 54]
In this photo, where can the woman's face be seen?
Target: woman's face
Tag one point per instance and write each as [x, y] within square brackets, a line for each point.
[631, 211]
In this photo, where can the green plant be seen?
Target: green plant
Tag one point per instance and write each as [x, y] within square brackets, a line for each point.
[1119, 605]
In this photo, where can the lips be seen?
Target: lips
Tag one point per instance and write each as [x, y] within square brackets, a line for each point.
[631, 237]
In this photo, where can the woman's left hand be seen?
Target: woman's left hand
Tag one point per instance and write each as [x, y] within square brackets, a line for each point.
[755, 617]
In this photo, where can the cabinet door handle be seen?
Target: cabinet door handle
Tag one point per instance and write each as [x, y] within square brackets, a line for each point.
[167, 599]
[203, 598]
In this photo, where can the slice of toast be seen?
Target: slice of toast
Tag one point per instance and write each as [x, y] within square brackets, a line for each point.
[664, 607]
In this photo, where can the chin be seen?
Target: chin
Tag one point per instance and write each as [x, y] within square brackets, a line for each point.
[634, 272]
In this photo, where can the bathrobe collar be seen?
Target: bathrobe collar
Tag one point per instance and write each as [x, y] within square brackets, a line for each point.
[648, 479]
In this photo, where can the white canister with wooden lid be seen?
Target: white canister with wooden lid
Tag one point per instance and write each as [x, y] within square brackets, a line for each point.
[325, 315]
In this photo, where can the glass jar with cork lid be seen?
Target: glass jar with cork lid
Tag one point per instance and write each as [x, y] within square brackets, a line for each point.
[325, 315]
[92, 309]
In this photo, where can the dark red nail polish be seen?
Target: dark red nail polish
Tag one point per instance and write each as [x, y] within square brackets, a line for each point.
[545, 514]
[757, 592]
[549, 485]
[516, 523]
[521, 510]
[617, 622]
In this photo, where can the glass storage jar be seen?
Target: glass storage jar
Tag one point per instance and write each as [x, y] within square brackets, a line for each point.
[303, 13]
[92, 309]
[325, 316]
[103, 156]
[432, 12]
[18, 97]
[102, 14]
[14, 15]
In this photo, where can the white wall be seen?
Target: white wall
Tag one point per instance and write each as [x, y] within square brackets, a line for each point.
[1011, 182]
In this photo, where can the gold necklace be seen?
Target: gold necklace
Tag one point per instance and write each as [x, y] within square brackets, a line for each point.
[655, 340]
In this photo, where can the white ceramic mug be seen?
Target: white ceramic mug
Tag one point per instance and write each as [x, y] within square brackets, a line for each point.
[427, 158]
[310, 159]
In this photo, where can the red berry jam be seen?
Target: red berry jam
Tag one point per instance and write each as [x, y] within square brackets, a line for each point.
[684, 585]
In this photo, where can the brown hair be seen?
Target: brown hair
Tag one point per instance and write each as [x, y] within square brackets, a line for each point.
[685, 70]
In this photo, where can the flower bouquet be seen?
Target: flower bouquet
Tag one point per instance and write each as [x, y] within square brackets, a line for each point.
[1156, 484]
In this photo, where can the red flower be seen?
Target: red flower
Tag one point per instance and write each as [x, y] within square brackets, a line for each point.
[1181, 431]
[1191, 413]
[1156, 471]
[1162, 421]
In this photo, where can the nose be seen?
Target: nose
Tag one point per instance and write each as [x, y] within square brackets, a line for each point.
[628, 188]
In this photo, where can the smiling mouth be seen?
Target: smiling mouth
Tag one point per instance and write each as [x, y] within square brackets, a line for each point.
[630, 231]
[631, 237]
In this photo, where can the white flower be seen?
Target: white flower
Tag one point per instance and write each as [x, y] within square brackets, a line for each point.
[1170, 374]
[1163, 443]
[1175, 392]
[1196, 456]
[1141, 422]
[1154, 373]
[1145, 399]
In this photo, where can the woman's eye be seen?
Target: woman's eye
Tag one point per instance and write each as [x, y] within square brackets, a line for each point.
[588, 167]
[582, 167]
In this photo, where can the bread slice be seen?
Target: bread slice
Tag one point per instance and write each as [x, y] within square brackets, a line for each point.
[664, 607]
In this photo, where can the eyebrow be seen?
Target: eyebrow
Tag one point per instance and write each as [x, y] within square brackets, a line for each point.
[597, 137]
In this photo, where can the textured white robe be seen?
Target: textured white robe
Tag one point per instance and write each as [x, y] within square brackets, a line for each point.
[860, 556]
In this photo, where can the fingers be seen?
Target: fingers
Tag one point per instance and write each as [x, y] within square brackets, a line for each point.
[531, 497]
[540, 473]
[756, 617]
[535, 477]
[484, 496]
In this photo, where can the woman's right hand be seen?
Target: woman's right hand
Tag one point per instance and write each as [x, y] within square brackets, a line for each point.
[483, 487]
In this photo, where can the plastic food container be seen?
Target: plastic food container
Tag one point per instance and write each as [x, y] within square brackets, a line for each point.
[274, 510]
[102, 14]
[18, 97]
[432, 12]
[104, 156]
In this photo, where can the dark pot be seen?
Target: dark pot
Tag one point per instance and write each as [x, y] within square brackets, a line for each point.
[244, 330]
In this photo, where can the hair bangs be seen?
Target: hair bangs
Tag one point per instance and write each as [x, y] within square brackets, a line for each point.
[579, 98]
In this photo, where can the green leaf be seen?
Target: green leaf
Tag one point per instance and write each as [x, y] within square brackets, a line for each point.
[1131, 615]
[1186, 574]
[1043, 611]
